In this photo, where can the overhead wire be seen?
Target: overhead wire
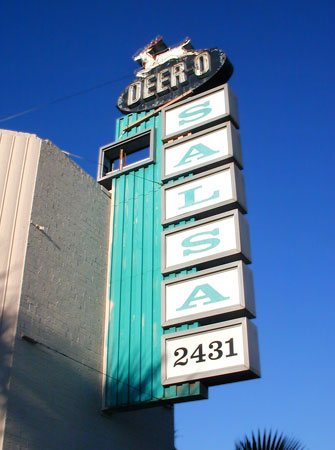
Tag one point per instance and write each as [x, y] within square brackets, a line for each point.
[160, 184]
[68, 97]
[99, 164]
[35, 342]
[64, 98]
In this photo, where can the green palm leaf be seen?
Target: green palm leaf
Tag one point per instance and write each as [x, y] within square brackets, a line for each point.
[264, 441]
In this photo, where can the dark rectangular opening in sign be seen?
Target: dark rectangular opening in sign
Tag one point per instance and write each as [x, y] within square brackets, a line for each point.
[125, 155]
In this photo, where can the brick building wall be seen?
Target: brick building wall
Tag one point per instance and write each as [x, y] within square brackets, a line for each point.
[55, 395]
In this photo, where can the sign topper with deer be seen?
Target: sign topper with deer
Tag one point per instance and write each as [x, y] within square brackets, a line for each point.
[168, 73]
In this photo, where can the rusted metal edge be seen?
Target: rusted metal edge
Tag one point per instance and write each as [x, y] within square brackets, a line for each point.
[153, 113]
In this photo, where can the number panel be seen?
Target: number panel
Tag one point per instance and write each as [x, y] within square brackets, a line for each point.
[208, 351]
[216, 354]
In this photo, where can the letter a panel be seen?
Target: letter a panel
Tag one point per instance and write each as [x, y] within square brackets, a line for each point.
[219, 293]
[201, 151]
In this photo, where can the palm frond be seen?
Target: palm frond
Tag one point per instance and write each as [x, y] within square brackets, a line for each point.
[267, 441]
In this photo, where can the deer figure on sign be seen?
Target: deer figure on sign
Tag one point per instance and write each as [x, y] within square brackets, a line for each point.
[157, 53]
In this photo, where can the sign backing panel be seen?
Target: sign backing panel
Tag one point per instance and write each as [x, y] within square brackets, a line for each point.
[133, 366]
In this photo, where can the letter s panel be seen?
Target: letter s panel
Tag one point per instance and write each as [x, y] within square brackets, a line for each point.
[206, 243]
[201, 111]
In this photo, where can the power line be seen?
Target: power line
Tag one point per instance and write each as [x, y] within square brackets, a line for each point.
[63, 99]
[34, 342]
[160, 184]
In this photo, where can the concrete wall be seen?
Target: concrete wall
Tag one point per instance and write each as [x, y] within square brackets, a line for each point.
[55, 391]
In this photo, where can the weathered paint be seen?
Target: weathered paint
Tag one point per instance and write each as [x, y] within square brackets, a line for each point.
[134, 336]
[19, 158]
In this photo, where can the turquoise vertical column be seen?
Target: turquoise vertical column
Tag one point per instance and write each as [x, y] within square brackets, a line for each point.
[134, 335]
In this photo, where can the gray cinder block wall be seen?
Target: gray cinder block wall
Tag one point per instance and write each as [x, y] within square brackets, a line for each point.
[52, 381]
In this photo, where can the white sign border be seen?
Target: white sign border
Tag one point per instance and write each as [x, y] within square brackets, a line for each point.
[246, 288]
[242, 252]
[234, 151]
[238, 199]
[219, 376]
[230, 114]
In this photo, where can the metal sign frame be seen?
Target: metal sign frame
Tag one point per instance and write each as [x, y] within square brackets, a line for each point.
[234, 151]
[250, 369]
[231, 112]
[242, 250]
[237, 200]
[133, 143]
[246, 307]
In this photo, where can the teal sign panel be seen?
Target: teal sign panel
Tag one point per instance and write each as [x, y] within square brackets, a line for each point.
[133, 370]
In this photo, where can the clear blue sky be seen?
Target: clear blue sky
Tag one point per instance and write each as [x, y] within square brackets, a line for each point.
[283, 54]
